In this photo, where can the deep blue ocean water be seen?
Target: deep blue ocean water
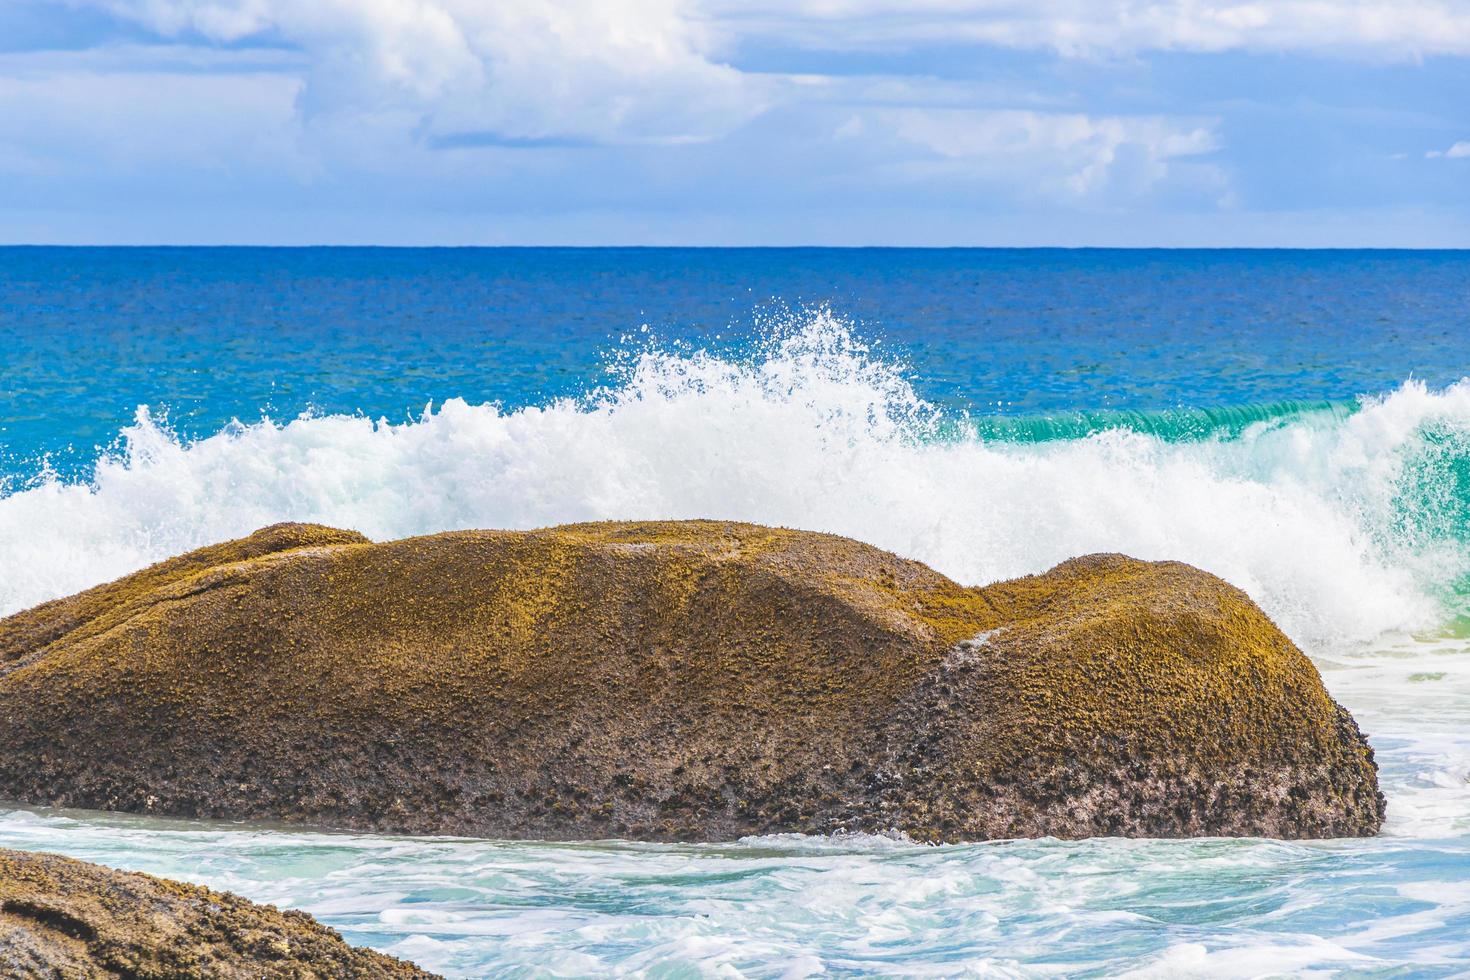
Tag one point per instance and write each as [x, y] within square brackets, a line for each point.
[1295, 422]
[214, 334]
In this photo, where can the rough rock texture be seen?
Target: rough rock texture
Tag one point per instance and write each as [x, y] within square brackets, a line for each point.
[69, 919]
[689, 680]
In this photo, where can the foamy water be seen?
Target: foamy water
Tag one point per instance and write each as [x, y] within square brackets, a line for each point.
[1342, 528]
[796, 907]
[1349, 527]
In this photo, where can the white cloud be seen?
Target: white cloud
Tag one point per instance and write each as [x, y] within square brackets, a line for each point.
[603, 70]
[1401, 28]
[184, 121]
[1455, 152]
[1053, 154]
[359, 99]
[482, 72]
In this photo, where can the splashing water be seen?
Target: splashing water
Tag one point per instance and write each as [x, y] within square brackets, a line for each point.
[1341, 522]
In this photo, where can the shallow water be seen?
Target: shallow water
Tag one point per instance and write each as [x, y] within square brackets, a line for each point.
[792, 906]
[1292, 422]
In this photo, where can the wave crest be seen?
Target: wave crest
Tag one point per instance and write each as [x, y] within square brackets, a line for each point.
[1342, 521]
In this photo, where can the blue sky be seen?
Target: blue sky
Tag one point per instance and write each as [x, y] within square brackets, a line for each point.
[925, 122]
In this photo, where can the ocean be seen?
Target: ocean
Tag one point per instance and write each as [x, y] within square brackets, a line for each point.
[1294, 421]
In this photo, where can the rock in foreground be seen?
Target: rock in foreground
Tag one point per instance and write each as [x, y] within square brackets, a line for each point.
[688, 680]
[65, 918]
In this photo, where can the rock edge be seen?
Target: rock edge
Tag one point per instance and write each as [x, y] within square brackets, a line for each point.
[65, 918]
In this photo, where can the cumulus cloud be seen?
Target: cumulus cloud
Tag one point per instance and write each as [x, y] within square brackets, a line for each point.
[541, 108]
[1403, 28]
[1455, 152]
[604, 70]
[314, 93]
[459, 73]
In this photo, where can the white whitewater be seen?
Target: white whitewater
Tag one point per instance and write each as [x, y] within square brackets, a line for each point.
[1307, 514]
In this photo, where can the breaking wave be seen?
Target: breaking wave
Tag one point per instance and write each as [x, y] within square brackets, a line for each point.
[1342, 520]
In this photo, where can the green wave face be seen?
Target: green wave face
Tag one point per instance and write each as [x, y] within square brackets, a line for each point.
[1430, 511]
[1433, 486]
[1403, 483]
[1169, 425]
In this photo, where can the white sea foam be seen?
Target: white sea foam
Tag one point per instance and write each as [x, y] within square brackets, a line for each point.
[853, 906]
[1308, 515]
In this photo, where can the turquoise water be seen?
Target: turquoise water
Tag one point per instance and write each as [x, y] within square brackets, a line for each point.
[1294, 422]
[794, 907]
[207, 335]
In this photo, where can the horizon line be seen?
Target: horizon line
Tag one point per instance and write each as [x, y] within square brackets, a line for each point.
[715, 247]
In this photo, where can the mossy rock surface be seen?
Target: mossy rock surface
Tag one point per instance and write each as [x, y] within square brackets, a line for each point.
[693, 680]
[77, 921]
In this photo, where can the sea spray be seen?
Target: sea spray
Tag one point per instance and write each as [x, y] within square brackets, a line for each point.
[1341, 523]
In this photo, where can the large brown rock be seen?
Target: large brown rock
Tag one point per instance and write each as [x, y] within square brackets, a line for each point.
[69, 919]
[690, 680]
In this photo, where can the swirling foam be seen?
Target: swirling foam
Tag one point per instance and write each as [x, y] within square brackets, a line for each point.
[1342, 525]
[795, 906]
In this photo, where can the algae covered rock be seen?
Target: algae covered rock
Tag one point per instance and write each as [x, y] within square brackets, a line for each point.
[65, 918]
[682, 680]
